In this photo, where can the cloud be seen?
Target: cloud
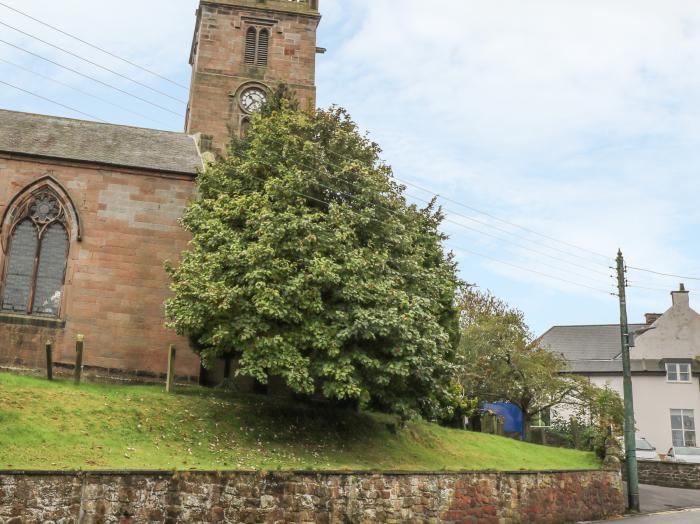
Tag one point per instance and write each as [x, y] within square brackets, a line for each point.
[154, 34]
[578, 119]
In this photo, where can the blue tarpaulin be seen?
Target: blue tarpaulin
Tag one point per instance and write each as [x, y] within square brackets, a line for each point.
[512, 415]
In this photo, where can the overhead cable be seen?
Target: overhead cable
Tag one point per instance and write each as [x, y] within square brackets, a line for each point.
[437, 195]
[484, 233]
[662, 274]
[88, 61]
[53, 101]
[459, 248]
[78, 90]
[92, 78]
[532, 231]
[102, 50]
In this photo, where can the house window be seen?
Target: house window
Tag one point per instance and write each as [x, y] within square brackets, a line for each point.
[257, 46]
[683, 427]
[678, 372]
[36, 257]
[542, 419]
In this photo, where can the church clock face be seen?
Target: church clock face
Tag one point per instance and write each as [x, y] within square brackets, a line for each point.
[252, 99]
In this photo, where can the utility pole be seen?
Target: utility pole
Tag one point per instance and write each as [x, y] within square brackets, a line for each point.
[630, 438]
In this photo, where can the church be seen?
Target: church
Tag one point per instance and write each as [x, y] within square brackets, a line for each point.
[90, 211]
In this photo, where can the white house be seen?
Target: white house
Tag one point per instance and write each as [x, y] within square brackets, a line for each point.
[664, 363]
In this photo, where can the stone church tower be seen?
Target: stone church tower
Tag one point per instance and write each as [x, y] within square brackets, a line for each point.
[90, 211]
[241, 50]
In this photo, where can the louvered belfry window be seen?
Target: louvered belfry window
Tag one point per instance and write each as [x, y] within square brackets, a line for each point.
[263, 45]
[251, 39]
[257, 46]
[36, 257]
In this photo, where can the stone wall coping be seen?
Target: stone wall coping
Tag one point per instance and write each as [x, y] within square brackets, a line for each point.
[667, 462]
[282, 473]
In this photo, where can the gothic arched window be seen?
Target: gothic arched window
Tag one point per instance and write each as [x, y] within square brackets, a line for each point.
[36, 256]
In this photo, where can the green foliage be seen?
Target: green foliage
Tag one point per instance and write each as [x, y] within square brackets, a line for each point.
[505, 363]
[57, 426]
[600, 415]
[307, 263]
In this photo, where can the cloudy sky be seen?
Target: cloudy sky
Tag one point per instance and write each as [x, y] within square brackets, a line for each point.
[576, 121]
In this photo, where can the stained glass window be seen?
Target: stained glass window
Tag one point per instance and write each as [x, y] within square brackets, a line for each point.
[36, 257]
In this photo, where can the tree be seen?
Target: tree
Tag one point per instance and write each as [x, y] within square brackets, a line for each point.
[307, 263]
[594, 422]
[505, 363]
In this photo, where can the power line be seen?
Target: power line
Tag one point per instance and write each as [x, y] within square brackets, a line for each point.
[532, 231]
[436, 195]
[53, 101]
[459, 248]
[477, 221]
[537, 272]
[499, 238]
[333, 152]
[634, 286]
[341, 156]
[86, 60]
[662, 274]
[94, 46]
[92, 78]
[78, 90]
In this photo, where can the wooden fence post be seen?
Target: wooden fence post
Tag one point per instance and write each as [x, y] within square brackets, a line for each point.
[49, 360]
[171, 369]
[79, 340]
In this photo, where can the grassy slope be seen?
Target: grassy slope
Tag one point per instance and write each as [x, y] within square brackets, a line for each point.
[58, 426]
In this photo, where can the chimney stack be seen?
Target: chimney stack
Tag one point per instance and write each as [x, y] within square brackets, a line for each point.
[652, 317]
[680, 298]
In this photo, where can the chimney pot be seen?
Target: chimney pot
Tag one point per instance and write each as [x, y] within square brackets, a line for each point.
[680, 298]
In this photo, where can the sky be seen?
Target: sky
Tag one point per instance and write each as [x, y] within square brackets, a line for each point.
[575, 121]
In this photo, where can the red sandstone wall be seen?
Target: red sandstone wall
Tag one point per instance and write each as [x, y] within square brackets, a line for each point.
[452, 498]
[115, 281]
[219, 68]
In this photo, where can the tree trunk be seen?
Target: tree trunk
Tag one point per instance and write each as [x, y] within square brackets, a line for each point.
[527, 426]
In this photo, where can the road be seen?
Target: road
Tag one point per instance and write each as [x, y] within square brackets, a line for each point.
[660, 504]
[673, 517]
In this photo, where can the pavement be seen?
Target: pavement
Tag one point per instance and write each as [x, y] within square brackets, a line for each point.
[683, 516]
[665, 506]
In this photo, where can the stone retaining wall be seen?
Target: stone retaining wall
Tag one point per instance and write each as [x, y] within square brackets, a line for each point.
[308, 497]
[669, 474]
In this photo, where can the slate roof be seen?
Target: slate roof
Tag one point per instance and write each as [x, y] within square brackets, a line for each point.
[81, 140]
[593, 350]
[597, 342]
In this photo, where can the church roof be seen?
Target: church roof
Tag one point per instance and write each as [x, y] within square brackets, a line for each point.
[68, 139]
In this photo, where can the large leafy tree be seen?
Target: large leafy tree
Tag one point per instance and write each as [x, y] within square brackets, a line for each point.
[506, 363]
[307, 263]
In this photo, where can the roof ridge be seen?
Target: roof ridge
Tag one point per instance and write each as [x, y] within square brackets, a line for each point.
[83, 121]
[55, 137]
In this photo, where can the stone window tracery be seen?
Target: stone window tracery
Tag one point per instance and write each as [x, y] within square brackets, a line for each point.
[36, 255]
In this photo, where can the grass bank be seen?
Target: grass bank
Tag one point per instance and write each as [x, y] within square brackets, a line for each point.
[55, 425]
